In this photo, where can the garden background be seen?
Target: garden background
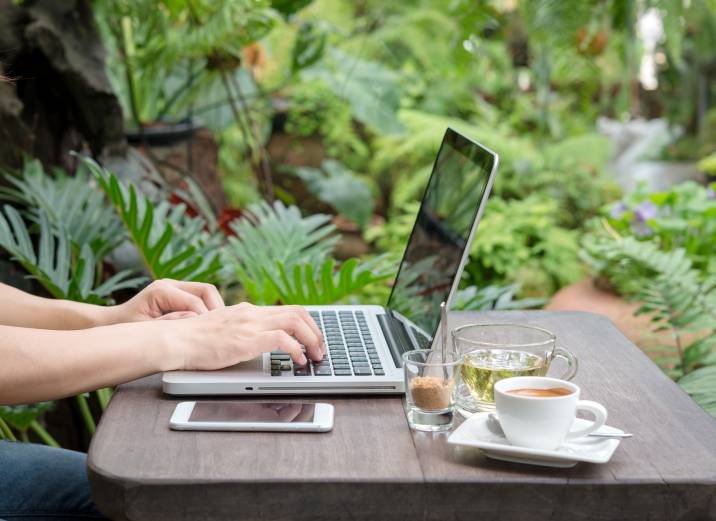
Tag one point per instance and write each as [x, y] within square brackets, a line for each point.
[279, 149]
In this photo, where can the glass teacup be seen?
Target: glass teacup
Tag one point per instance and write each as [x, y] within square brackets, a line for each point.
[492, 352]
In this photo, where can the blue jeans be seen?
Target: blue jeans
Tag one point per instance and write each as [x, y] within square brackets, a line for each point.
[39, 483]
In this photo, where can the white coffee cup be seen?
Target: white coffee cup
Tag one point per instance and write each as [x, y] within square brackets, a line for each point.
[542, 422]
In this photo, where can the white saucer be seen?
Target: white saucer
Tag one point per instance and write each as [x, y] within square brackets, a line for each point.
[478, 432]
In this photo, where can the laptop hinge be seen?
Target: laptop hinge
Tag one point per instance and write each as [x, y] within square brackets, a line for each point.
[396, 337]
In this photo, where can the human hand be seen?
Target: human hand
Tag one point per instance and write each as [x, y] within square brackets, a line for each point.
[233, 334]
[168, 299]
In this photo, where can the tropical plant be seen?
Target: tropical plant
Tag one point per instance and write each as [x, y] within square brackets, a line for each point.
[314, 110]
[340, 188]
[67, 261]
[521, 241]
[493, 297]
[677, 297]
[170, 243]
[63, 274]
[71, 203]
[370, 88]
[281, 257]
[324, 284]
[682, 217]
[150, 42]
[24, 418]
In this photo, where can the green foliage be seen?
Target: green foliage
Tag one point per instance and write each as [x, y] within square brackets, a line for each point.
[371, 89]
[316, 111]
[708, 165]
[521, 241]
[72, 205]
[198, 28]
[281, 257]
[677, 297]
[492, 297]
[171, 244]
[165, 55]
[324, 284]
[273, 236]
[340, 188]
[392, 234]
[682, 217]
[20, 417]
[571, 172]
[309, 46]
[63, 274]
[289, 7]
[24, 418]
[701, 385]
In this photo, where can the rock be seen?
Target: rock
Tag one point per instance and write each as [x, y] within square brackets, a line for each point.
[61, 99]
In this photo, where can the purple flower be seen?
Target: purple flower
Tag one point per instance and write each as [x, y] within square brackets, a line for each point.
[641, 229]
[618, 210]
[645, 211]
[710, 194]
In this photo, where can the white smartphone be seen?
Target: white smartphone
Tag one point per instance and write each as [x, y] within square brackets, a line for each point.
[252, 416]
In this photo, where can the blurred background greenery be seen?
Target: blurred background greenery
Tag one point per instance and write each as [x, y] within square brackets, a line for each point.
[285, 145]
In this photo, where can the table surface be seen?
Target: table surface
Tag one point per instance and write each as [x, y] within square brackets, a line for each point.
[373, 467]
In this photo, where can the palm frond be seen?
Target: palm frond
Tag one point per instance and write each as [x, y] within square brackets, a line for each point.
[171, 243]
[63, 274]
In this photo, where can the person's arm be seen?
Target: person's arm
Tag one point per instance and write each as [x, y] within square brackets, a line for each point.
[37, 364]
[161, 299]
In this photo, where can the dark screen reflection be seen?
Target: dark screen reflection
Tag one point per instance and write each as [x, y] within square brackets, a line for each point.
[252, 412]
[442, 228]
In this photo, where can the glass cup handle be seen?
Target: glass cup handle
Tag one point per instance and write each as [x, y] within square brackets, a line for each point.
[572, 362]
[600, 418]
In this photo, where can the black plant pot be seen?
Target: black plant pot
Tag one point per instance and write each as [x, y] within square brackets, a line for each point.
[162, 134]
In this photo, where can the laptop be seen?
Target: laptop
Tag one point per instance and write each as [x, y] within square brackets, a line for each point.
[365, 343]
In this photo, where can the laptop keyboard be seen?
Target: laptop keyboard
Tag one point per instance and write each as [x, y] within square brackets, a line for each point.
[350, 349]
[424, 342]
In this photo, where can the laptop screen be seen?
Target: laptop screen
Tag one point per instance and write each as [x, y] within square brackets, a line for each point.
[442, 229]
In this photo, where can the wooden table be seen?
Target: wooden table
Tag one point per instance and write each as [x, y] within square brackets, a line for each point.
[372, 467]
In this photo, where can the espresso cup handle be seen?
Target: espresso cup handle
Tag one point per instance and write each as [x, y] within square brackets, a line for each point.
[572, 362]
[600, 418]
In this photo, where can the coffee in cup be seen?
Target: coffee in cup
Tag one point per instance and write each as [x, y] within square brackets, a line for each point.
[538, 412]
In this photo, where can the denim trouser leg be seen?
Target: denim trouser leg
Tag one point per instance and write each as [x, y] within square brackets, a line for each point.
[39, 483]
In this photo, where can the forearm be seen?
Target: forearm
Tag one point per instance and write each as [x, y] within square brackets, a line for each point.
[21, 309]
[38, 364]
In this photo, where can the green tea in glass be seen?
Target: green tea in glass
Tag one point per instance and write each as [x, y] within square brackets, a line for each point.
[492, 352]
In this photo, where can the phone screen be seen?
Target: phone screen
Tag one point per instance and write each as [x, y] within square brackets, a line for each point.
[253, 412]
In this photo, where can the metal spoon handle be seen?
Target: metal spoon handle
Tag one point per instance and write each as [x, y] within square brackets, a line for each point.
[444, 336]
